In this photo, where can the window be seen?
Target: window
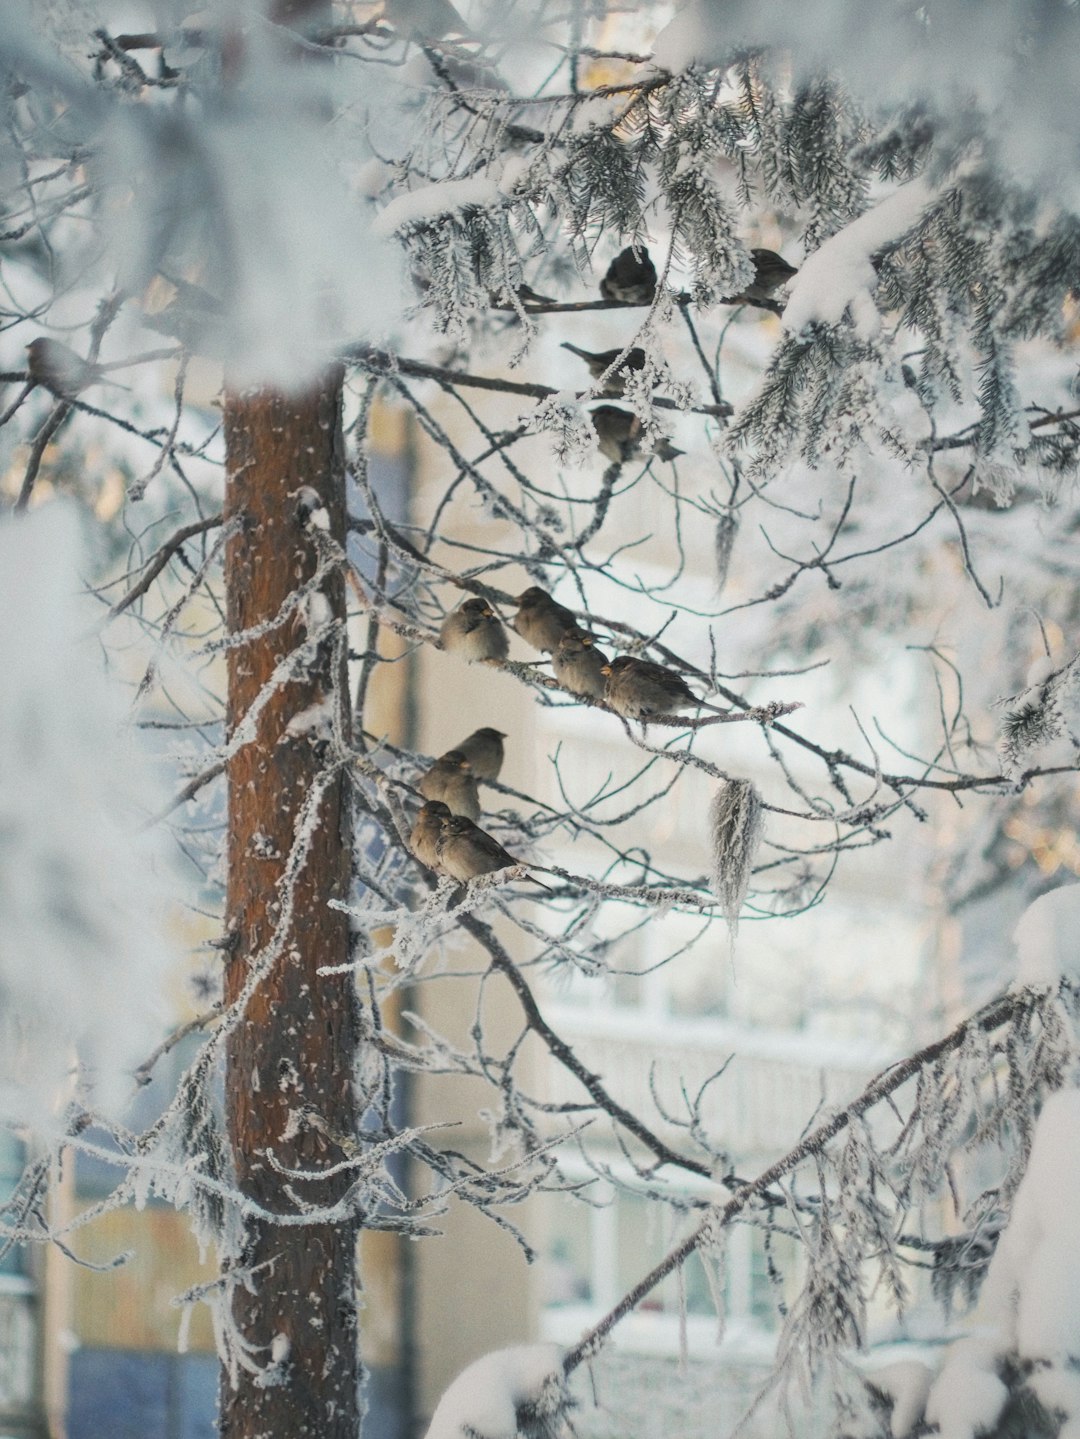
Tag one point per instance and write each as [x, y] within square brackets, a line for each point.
[595, 1252]
[12, 1159]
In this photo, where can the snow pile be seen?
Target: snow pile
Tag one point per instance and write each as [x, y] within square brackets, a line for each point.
[907, 1384]
[1033, 1284]
[416, 207]
[840, 275]
[82, 953]
[486, 1398]
[1047, 937]
[692, 38]
[968, 1396]
[1030, 1302]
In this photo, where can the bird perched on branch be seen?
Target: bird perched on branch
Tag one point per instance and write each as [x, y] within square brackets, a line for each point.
[619, 433]
[424, 839]
[639, 688]
[631, 277]
[541, 621]
[451, 780]
[466, 851]
[579, 666]
[771, 273]
[485, 751]
[473, 631]
[427, 19]
[61, 370]
[599, 361]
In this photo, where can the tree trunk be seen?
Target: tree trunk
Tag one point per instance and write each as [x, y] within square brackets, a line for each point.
[289, 1063]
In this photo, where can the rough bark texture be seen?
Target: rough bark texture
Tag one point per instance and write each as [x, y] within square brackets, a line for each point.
[293, 1053]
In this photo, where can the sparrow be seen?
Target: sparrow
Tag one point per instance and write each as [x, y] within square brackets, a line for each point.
[619, 435]
[429, 19]
[638, 688]
[473, 631]
[599, 361]
[61, 370]
[631, 277]
[541, 621]
[484, 749]
[465, 851]
[451, 780]
[579, 666]
[771, 272]
[423, 841]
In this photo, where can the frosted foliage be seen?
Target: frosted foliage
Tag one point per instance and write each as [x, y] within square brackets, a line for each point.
[940, 52]
[487, 1398]
[1047, 938]
[82, 951]
[736, 823]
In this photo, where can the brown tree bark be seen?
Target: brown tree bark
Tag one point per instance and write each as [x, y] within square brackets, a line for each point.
[289, 1063]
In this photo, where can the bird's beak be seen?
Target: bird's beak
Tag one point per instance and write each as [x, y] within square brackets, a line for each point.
[489, 614]
[605, 669]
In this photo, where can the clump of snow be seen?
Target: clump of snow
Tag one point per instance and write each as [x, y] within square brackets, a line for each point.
[1047, 938]
[840, 276]
[1034, 1277]
[690, 39]
[485, 1398]
[1059, 1389]
[83, 946]
[1039, 671]
[430, 201]
[1030, 1301]
[968, 1396]
[907, 1384]
[318, 718]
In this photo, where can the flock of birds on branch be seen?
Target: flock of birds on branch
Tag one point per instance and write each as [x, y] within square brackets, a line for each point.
[446, 837]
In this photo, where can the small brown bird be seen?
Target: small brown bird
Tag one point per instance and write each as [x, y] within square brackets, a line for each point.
[424, 839]
[465, 851]
[631, 277]
[473, 631]
[639, 688]
[485, 751]
[599, 361]
[619, 435]
[771, 273]
[429, 19]
[579, 666]
[61, 370]
[451, 780]
[541, 621]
